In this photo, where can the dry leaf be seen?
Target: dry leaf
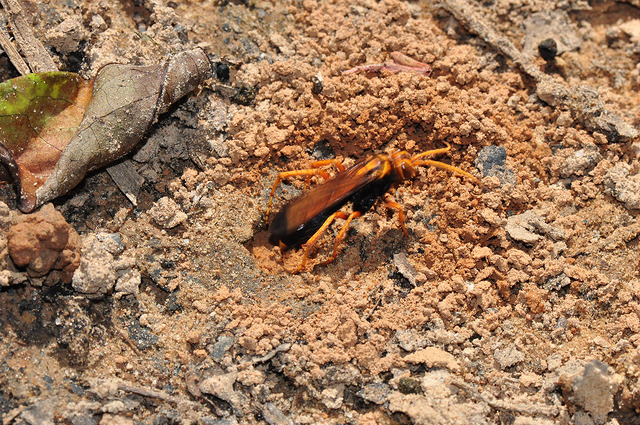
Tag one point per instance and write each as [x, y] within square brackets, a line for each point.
[39, 114]
[55, 127]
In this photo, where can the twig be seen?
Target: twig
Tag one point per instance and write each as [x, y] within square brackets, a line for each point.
[33, 50]
[271, 354]
[373, 309]
[399, 63]
[12, 52]
[127, 340]
[146, 392]
[525, 409]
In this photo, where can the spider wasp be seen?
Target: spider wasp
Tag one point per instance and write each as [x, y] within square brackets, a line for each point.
[301, 222]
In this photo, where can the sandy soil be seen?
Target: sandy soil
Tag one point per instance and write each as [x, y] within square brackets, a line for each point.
[513, 300]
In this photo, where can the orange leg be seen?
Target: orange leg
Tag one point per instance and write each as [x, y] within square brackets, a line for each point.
[401, 217]
[341, 235]
[417, 161]
[313, 239]
[285, 175]
[338, 164]
[310, 172]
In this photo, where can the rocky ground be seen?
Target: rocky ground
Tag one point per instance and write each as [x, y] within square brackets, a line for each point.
[513, 300]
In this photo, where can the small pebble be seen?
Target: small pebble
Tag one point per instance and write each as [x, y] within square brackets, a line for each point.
[548, 49]
[318, 83]
[222, 71]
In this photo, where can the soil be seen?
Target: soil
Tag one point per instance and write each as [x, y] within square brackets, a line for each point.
[513, 300]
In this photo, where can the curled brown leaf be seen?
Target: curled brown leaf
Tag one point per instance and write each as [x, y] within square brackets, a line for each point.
[124, 102]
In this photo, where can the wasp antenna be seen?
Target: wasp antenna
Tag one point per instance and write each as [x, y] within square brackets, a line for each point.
[432, 152]
[447, 167]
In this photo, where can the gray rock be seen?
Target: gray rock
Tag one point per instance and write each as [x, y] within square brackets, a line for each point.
[127, 282]
[99, 270]
[375, 393]
[581, 161]
[141, 336]
[221, 386]
[557, 282]
[490, 158]
[529, 226]
[85, 419]
[231, 420]
[274, 416]
[588, 108]
[491, 161]
[592, 389]
[221, 346]
[40, 413]
[411, 339]
[112, 242]
[619, 183]
[166, 213]
[333, 396]
[95, 276]
[508, 356]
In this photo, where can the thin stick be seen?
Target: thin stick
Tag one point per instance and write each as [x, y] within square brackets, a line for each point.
[271, 354]
[12, 52]
[33, 50]
[527, 409]
[146, 392]
[127, 340]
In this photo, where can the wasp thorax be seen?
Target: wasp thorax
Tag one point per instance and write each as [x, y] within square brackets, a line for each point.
[403, 165]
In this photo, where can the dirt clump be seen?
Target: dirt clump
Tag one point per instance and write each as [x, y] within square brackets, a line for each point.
[44, 241]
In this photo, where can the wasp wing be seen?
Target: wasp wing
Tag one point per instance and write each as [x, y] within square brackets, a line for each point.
[300, 218]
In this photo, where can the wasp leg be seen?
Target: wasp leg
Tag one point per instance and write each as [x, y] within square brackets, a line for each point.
[335, 162]
[310, 172]
[285, 175]
[341, 235]
[313, 239]
[401, 217]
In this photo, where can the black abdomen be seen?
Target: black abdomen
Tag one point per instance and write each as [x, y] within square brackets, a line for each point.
[282, 231]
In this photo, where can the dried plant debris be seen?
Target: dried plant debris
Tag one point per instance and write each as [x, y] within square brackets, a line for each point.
[399, 63]
[39, 114]
[74, 126]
